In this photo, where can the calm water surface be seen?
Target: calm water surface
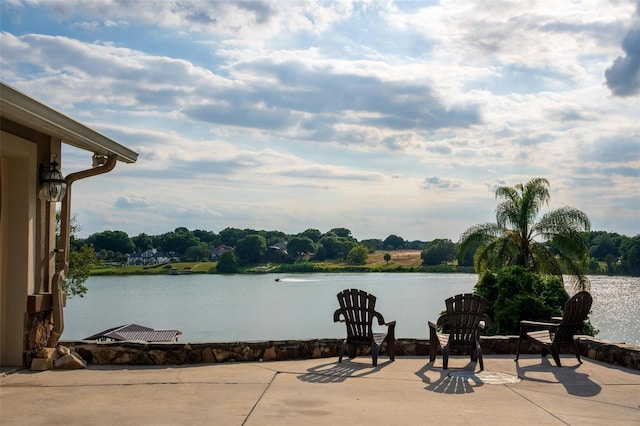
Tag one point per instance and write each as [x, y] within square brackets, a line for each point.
[256, 307]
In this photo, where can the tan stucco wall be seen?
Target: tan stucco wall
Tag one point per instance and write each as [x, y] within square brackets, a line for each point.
[18, 193]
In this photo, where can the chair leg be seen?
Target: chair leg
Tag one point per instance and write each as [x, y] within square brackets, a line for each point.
[391, 349]
[343, 348]
[523, 334]
[479, 353]
[555, 354]
[576, 347]
[374, 354]
[445, 357]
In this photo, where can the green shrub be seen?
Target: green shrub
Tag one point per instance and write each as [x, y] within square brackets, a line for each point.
[228, 263]
[358, 255]
[515, 294]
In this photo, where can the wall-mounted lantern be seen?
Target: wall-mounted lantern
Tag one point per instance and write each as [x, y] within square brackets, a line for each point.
[52, 181]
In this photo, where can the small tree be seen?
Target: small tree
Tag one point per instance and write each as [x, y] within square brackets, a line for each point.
[196, 253]
[228, 263]
[299, 246]
[80, 264]
[251, 249]
[82, 258]
[387, 257]
[358, 255]
[393, 241]
[321, 254]
[438, 251]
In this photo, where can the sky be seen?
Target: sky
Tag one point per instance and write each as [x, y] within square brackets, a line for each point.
[382, 117]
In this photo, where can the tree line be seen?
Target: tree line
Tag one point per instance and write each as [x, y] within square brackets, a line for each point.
[609, 252]
[250, 245]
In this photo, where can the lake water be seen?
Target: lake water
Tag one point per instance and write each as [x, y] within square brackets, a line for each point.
[220, 308]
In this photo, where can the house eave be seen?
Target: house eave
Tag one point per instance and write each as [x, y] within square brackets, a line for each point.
[24, 110]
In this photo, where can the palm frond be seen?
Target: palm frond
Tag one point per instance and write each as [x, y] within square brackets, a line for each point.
[576, 269]
[562, 220]
[546, 261]
[534, 195]
[498, 253]
[504, 252]
[477, 236]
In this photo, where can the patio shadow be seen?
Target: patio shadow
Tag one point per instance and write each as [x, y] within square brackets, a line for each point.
[335, 372]
[450, 381]
[575, 383]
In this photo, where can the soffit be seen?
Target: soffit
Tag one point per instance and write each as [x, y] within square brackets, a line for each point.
[20, 108]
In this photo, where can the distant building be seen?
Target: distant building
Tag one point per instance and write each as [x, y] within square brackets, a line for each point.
[150, 257]
[277, 252]
[135, 332]
[217, 252]
[281, 246]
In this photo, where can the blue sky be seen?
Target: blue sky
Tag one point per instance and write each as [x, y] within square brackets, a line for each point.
[382, 117]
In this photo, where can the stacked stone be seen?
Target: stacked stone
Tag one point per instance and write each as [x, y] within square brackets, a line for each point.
[61, 357]
[173, 353]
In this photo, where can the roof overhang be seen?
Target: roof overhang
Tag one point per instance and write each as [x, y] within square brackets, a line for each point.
[24, 110]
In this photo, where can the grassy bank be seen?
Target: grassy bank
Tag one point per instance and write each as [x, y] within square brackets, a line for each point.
[401, 261]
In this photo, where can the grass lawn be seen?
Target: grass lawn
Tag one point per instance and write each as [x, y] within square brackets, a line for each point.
[406, 258]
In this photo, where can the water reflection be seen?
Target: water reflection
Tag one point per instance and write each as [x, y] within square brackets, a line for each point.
[615, 310]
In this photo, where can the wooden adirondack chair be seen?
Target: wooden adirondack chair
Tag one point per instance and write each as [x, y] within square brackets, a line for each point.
[462, 323]
[560, 332]
[357, 311]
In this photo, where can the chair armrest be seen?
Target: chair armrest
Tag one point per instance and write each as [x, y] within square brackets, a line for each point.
[391, 328]
[433, 336]
[556, 319]
[381, 320]
[336, 316]
[391, 332]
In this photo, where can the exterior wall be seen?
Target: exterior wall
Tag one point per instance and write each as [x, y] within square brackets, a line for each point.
[18, 246]
[27, 242]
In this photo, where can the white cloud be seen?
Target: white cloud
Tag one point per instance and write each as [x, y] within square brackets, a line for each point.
[290, 115]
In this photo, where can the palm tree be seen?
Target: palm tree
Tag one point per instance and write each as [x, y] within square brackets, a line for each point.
[557, 240]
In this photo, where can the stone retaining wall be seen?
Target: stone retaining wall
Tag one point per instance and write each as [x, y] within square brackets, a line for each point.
[143, 353]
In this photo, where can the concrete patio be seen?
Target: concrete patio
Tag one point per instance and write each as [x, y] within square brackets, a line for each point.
[409, 391]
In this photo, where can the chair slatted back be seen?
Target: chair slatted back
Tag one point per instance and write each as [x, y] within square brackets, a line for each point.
[464, 313]
[575, 313]
[358, 309]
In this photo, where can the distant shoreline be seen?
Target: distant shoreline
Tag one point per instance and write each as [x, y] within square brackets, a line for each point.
[407, 261]
[178, 268]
